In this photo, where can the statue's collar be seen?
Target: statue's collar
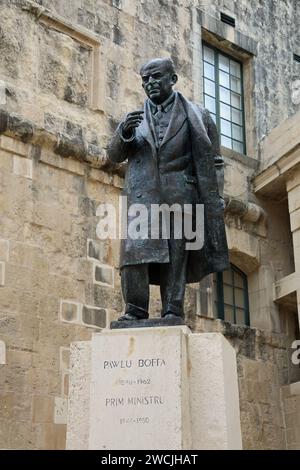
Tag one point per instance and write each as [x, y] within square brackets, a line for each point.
[165, 105]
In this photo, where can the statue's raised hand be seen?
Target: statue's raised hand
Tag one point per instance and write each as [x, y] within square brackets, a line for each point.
[132, 121]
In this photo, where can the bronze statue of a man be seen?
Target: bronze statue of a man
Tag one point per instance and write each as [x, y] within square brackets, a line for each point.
[172, 148]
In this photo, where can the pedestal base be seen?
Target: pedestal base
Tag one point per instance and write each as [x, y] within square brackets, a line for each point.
[160, 388]
[148, 323]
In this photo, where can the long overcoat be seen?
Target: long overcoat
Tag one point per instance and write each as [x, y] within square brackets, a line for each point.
[186, 169]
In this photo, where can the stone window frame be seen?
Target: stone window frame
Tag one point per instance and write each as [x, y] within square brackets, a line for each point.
[232, 42]
[89, 41]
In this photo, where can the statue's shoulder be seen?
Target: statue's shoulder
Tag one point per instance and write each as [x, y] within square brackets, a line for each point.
[196, 107]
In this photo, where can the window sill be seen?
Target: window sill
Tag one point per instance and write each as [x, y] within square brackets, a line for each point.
[239, 157]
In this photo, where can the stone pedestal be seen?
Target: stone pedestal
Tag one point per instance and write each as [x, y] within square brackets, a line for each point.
[158, 388]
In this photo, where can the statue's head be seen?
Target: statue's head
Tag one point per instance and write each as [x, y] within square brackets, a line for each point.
[158, 79]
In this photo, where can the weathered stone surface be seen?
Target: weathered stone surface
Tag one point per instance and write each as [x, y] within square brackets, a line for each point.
[150, 323]
[79, 417]
[144, 378]
[94, 316]
[214, 393]
[55, 121]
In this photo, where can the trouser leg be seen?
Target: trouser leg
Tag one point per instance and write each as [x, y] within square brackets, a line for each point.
[135, 289]
[173, 279]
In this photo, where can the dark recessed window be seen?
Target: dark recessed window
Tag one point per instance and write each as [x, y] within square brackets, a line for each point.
[231, 301]
[228, 19]
[223, 96]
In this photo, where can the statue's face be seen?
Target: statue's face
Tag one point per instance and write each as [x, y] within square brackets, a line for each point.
[157, 81]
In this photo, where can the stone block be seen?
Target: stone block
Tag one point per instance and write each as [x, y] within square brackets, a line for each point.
[64, 361]
[22, 406]
[294, 199]
[291, 405]
[250, 369]
[214, 393]
[15, 146]
[128, 383]
[60, 410]
[28, 255]
[51, 216]
[98, 250]
[7, 403]
[70, 311]
[53, 437]
[4, 250]
[104, 275]
[293, 181]
[21, 359]
[79, 396]
[295, 220]
[65, 384]
[42, 409]
[2, 273]
[22, 167]
[93, 316]
[292, 419]
[296, 239]
[144, 407]
[2, 353]
[295, 388]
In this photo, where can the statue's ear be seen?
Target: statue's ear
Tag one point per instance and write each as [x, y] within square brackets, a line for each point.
[174, 78]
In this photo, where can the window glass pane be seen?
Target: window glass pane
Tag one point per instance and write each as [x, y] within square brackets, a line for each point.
[209, 87]
[239, 297]
[237, 132]
[235, 84]
[228, 314]
[226, 127]
[236, 116]
[209, 55]
[238, 146]
[240, 316]
[209, 71]
[223, 63]
[235, 68]
[238, 280]
[227, 277]
[228, 294]
[224, 95]
[224, 79]
[215, 309]
[225, 111]
[210, 103]
[213, 117]
[236, 100]
[226, 142]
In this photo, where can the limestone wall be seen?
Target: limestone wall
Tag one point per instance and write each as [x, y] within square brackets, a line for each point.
[67, 74]
[58, 284]
[269, 408]
[49, 75]
[291, 406]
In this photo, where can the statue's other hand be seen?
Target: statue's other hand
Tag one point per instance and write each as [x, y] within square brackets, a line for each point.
[132, 121]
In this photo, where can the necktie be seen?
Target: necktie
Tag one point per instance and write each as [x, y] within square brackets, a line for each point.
[159, 112]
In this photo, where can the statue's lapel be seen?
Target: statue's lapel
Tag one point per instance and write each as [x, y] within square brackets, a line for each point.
[145, 127]
[178, 117]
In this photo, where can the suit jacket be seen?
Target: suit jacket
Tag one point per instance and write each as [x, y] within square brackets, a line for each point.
[184, 171]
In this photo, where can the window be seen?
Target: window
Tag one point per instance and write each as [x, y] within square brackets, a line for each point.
[223, 96]
[231, 296]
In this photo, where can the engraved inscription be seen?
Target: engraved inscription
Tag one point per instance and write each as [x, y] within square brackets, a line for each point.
[128, 364]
